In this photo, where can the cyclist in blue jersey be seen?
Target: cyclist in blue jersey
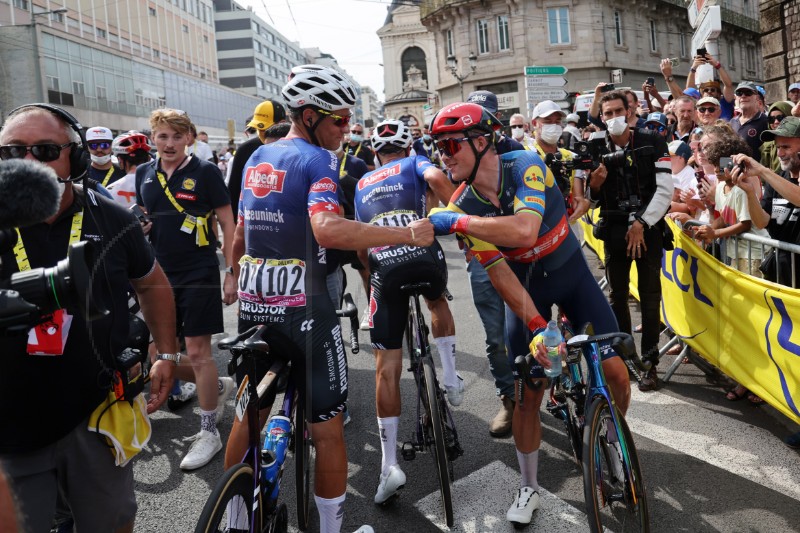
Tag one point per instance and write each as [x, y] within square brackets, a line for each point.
[396, 194]
[534, 262]
[289, 215]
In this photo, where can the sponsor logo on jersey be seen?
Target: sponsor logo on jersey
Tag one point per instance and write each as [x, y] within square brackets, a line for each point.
[186, 196]
[260, 215]
[188, 184]
[384, 189]
[263, 179]
[535, 200]
[324, 185]
[534, 178]
[378, 175]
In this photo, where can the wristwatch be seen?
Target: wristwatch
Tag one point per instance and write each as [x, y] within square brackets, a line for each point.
[641, 221]
[229, 270]
[174, 357]
[670, 79]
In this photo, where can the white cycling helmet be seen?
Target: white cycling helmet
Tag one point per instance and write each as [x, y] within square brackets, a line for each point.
[390, 132]
[319, 86]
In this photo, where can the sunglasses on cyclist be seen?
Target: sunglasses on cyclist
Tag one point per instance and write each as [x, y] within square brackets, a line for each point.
[660, 128]
[99, 145]
[776, 118]
[706, 109]
[338, 120]
[42, 152]
[452, 146]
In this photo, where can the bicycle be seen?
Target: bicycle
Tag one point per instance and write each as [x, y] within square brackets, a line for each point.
[435, 428]
[602, 444]
[245, 498]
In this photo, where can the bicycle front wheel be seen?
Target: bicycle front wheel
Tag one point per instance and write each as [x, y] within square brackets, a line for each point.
[615, 499]
[230, 505]
[437, 428]
[302, 464]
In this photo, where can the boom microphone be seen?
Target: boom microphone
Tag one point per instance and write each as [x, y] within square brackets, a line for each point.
[29, 193]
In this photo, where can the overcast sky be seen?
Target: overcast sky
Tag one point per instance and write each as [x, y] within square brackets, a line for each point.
[345, 29]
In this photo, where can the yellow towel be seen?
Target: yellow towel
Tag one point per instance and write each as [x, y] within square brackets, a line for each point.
[126, 427]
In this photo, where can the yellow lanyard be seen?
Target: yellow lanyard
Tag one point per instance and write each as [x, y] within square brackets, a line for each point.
[342, 172]
[190, 223]
[108, 176]
[355, 153]
[74, 237]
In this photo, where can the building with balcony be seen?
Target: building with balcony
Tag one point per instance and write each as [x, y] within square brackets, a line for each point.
[253, 56]
[111, 64]
[590, 38]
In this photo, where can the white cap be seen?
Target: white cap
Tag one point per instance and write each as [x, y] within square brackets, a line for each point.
[573, 117]
[546, 108]
[99, 133]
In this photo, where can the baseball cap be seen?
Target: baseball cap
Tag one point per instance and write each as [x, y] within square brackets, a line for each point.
[485, 99]
[99, 133]
[680, 148]
[266, 114]
[691, 91]
[749, 85]
[789, 127]
[573, 117]
[660, 118]
[794, 87]
[710, 83]
[546, 108]
[708, 100]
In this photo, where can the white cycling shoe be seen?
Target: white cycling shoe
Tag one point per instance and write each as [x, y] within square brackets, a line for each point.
[455, 395]
[390, 484]
[521, 511]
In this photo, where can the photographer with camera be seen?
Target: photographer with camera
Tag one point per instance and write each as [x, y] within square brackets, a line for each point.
[633, 188]
[66, 368]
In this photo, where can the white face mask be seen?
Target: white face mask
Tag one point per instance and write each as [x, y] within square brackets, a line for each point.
[517, 133]
[101, 159]
[617, 125]
[550, 133]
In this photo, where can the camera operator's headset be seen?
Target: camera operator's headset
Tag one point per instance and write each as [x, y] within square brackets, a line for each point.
[79, 159]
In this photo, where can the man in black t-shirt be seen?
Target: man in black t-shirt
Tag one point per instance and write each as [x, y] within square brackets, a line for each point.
[777, 209]
[752, 121]
[181, 193]
[357, 147]
[46, 448]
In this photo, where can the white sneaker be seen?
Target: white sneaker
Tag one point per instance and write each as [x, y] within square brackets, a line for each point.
[364, 326]
[521, 511]
[455, 394]
[205, 446]
[364, 529]
[390, 484]
[228, 388]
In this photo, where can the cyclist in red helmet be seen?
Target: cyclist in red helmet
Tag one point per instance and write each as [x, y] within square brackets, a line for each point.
[534, 261]
[132, 149]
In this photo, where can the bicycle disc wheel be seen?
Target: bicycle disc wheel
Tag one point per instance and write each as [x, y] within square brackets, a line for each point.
[230, 504]
[302, 464]
[614, 501]
[437, 427]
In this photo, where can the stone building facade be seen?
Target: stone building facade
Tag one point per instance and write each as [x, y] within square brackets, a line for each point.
[780, 41]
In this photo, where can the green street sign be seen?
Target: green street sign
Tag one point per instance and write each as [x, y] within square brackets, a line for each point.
[552, 70]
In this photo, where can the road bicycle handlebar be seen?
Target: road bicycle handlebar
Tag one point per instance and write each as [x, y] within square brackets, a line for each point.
[622, 343]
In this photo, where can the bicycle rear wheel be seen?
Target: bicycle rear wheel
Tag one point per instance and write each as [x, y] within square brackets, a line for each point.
[230, 504]
[302, 464]
[437, 427]
[614, 500]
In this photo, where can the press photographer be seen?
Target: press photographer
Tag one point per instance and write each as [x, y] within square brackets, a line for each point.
[633, 187]
[58, 377]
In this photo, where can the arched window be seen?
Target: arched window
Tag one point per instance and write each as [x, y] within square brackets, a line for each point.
[414, 56]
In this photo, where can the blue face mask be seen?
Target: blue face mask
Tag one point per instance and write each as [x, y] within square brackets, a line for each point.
[356, 138]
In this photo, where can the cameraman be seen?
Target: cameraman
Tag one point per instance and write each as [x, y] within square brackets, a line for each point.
[45, 401]
[633, 188]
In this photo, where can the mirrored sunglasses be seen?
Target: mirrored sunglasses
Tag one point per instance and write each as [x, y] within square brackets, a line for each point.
[103, 145]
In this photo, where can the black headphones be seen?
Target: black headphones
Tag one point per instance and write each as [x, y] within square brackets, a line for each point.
[79, 159]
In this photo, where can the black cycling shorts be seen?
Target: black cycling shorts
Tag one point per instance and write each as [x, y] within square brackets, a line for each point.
[390, 268]
[313, 337]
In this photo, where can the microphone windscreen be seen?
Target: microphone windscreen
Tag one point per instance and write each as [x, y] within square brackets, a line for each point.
[29, 193]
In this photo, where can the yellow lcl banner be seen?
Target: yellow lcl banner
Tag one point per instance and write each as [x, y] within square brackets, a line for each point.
[740, 324]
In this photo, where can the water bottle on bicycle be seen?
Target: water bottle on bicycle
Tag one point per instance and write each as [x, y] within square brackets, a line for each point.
[274, 452]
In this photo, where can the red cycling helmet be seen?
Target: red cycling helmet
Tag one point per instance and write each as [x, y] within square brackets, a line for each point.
[460, 116]
[127, 143]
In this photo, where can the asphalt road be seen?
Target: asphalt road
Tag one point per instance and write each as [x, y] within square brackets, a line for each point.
[708, 464]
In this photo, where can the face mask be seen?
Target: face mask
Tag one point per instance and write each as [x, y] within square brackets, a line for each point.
[427, 139]
[354, 137]
[517, 133]
[550, 133]
[101, 159]
[617, 125]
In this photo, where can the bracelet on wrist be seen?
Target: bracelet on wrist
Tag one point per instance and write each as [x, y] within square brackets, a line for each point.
[693, 69]
[718, 65]
[537, 322]
[413, 237]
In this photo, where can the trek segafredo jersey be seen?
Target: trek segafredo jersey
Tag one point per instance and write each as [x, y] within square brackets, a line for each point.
[524, 184]
[285, 184]
[393, 195]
